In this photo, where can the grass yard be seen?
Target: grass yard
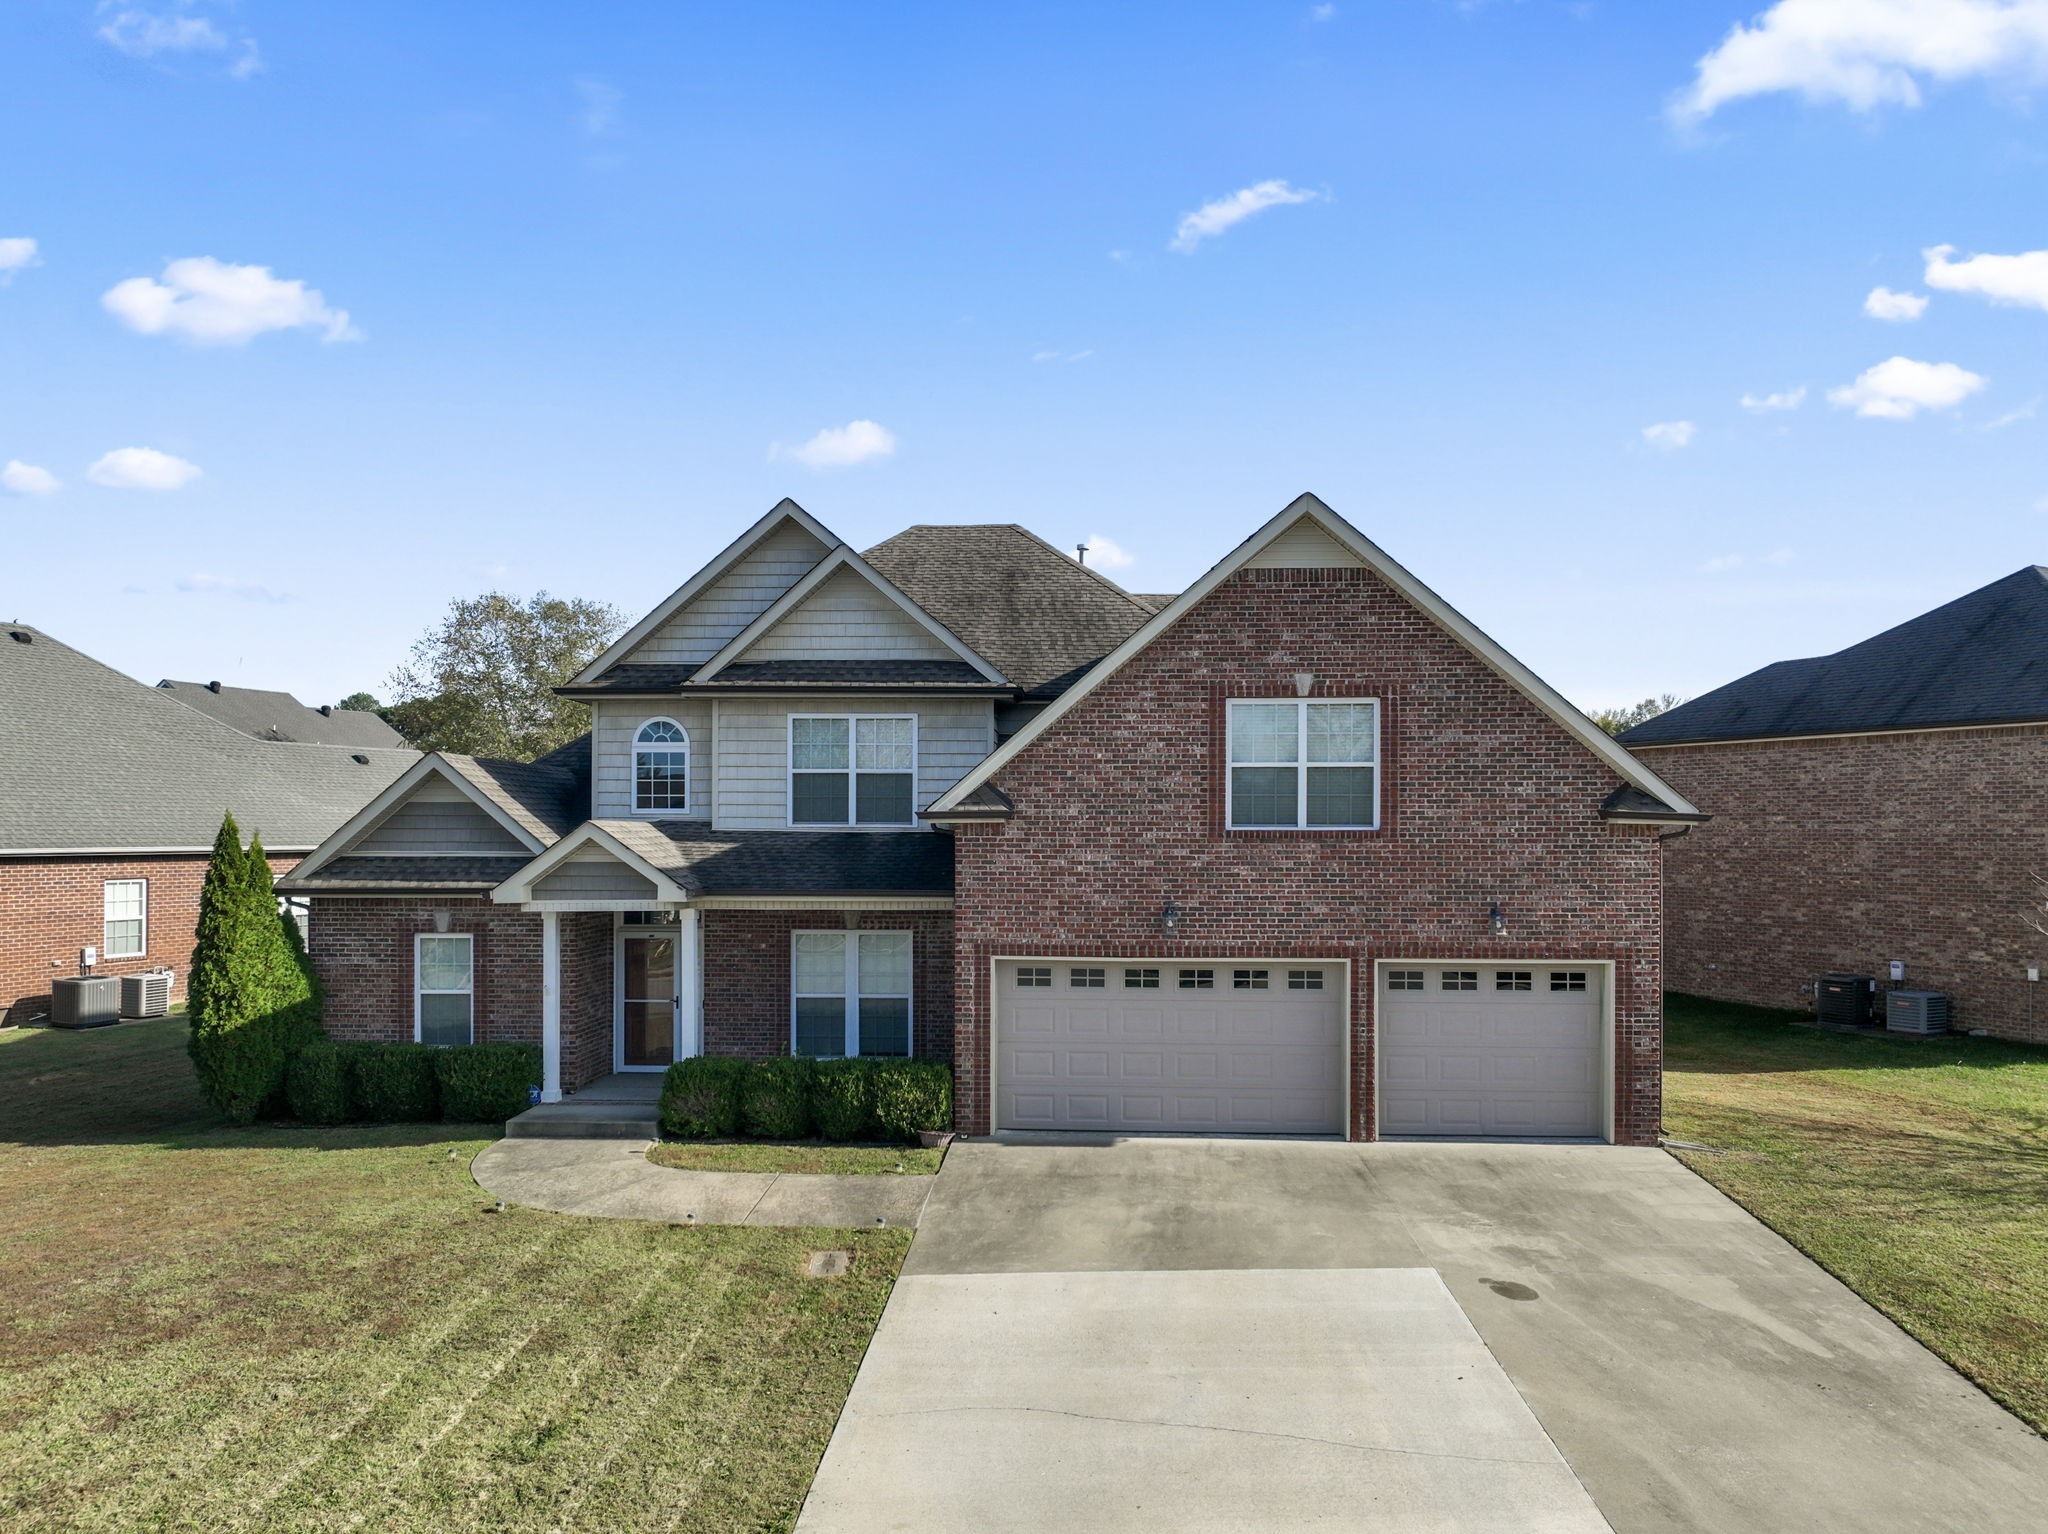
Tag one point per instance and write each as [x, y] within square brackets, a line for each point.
[833, 1160]
[1916, 1172]
[282, 1327]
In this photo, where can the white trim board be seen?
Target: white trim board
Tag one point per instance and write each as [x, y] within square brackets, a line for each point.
[365, 819]
[1376, 559]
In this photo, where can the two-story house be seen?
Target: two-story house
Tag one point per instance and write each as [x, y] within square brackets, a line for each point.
[1297, 851]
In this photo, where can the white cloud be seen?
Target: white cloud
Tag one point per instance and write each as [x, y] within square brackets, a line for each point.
[141, 468]
[1056, 355]
[1902, 308]
[601, 115]
[1899, 388]
[1780, 557]
[839, 447]
[1720, 564]
[143, 34]
[216, 303]
[1868, 53]
[17, 254]
[1120, 257]
[1785, 399]
[1212, 218]
[1104, 554]
[2025, 412]
[1321, 12]
[2021, 279]
[1669, 435]
[20, 478]
[227, 586]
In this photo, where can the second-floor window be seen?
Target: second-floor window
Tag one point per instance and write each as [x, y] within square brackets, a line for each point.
[1304, 764]
[661, 768]
[851, 769]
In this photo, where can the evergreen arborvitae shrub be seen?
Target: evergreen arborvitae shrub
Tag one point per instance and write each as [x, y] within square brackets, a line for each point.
[776, 1103]
[700, 1098]
[486, 1083]
[911, 1096]
[250, 993]
[395, 1083]
[843, 1099]
[318, 1084]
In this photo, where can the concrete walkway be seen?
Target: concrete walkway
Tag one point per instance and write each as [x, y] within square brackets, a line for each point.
[1157, 1334]
[614, 1178]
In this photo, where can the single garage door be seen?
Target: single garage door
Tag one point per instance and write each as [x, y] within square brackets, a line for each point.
[1488, 1051]
[1139, 1045]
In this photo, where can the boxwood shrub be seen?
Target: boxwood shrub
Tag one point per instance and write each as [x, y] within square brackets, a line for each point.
[912, 1095]
[395, 1083]
[318, 1084]
[485, 1082]
[843, 1099]
[701, 1098]
[776, 1104]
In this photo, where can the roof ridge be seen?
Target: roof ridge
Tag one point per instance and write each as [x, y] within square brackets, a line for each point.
[1080, 565]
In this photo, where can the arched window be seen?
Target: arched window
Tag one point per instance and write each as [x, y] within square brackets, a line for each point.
[661, 767]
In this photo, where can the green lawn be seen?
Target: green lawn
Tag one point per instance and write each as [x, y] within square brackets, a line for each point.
[282, 1327]
[810, 1156]
[1916, 1172]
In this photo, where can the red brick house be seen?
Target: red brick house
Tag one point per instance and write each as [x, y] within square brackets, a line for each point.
[110, 795]
[1297, 851]
[1877, 805]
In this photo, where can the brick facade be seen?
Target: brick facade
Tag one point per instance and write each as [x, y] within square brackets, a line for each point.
[1846, 853]
[747, 976]
[50, 908]
[1484, 799]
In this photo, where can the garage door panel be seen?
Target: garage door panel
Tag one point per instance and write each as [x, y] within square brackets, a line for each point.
[1228, 1060]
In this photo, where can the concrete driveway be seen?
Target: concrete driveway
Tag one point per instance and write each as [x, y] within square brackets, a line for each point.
[1219, 1334]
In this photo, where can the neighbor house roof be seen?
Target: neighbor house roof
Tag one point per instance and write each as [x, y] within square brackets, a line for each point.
[91, 760]
[280, 716]
[1981, 659]
[1035, 613]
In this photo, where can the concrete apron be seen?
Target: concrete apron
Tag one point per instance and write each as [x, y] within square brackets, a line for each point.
[614, 1179]
[1694, 1370]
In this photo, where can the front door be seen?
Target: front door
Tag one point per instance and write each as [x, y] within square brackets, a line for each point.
[647, 1014]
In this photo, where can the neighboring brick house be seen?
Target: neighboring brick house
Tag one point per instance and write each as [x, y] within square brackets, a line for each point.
[1884, 803]
[110, 795]
[1297, 851]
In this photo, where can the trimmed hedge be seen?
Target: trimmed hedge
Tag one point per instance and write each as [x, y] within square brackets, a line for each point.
[912, 1095]
[701, 1098]
[318, 1084]
[776, 1101]
[843, 1099]
[396, 1083]
[482, 1082]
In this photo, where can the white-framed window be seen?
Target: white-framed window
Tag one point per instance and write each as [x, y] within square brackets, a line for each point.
[661, 768]
[852, 769]
[443, 988]
[124, 928]
[850, 993]
[1303, 764]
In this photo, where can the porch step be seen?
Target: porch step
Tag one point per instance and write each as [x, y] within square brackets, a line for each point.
[586, 1121]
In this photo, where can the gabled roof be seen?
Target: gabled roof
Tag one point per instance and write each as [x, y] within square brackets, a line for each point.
[534, 803]
[280, 716]
[91, 760]
[1039, 616]
[1981, 659]
[1519, 676]
[692, 860]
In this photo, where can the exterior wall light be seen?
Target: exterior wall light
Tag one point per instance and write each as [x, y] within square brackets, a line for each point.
[1170, 918]
[1497, 920]
[441, 921]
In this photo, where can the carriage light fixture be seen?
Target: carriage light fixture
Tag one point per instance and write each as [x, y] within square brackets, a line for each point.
[1497, 920]
[1170, 918]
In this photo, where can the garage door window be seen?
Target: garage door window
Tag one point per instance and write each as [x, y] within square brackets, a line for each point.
[1404, 979]
[1249, 979]
[1198, 980]
[1567, 980]
[1511, 980]
[1303, 764]
[1141, 979]
[1304, 980]
[1087, 979]
[1461, 980]
[851, 993]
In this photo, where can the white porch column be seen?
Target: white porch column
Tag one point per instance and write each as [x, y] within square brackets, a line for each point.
[550, 1007]
[690, 982]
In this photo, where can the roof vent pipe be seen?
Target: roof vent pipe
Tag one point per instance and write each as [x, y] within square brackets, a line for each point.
[213, 687]
[1081, 553]
[327, 711]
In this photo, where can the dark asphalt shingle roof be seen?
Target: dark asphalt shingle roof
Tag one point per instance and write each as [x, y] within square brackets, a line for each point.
[1630, 803]
[358, 874]
[634, 678]
[545, 799]
[1031, 611]
[90, 758]
[280, 716]
[848, 673]
[1981, 659]
[708, 862]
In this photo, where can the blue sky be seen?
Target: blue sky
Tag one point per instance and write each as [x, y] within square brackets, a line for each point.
[564, 296]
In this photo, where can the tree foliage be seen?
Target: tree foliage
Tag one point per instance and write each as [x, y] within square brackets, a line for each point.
[1615, 720]
[251, 995]
[361, 702]
[481, 682]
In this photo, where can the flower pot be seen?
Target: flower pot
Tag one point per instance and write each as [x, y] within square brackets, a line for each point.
[935, 1139]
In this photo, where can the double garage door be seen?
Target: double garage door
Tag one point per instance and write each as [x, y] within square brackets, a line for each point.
[1252, 1047]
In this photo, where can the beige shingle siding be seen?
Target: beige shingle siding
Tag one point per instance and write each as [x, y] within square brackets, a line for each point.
[436, 817]
[846, 618]
[614, 723]
[733, 601]
[1304, 546]
[753, 748]
[591, 873]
